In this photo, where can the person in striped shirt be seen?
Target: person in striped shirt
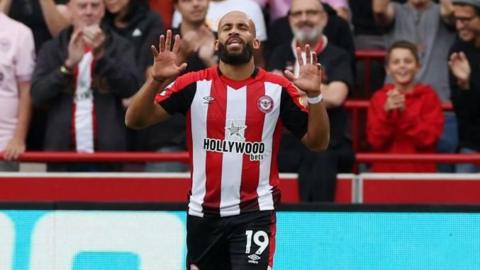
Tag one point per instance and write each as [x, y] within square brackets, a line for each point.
[235, 113]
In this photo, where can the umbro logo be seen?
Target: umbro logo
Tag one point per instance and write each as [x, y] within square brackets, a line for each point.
[253, 258]
[208, 99]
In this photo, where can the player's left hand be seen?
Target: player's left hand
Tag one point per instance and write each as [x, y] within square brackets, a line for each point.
[310, 75]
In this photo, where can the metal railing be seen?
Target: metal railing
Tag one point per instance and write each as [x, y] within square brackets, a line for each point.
[140, 157]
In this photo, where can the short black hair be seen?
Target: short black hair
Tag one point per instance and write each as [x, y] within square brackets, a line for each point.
[403, 44]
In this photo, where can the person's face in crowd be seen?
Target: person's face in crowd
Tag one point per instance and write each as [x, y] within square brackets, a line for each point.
[117, 6]
[467, 22]
[86, 12]
[193, 11]
[307, 20]
[236, 38]
[402, 66]
[420, 4]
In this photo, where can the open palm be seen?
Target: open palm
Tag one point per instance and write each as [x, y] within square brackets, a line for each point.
[310, 74]
[459, 66]
[165, 58]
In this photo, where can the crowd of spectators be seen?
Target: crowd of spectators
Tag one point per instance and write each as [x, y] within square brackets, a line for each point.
[68, 69]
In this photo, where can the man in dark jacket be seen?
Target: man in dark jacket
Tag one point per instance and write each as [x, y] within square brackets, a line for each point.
[464, 78]
[317, 172]
[82, 75]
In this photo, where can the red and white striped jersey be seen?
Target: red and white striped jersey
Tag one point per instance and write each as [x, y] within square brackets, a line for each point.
[233, 136]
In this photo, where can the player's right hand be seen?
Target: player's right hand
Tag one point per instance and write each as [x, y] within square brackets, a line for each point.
[165, 66]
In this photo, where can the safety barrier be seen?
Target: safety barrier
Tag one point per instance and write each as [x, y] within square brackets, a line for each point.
[167, 187]
[367, 57]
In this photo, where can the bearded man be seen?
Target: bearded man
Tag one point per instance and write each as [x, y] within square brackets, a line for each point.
[317, 171]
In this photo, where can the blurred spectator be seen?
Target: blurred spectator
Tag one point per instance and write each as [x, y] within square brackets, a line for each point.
[165, 9]
[82, 75]
[465, 78]
[341, 7]
[198, 39]
[336, 30]
[317, 171]
[218, 8]
[134, 21]
[425, 24]
[17, 53]
[197, 51]
[275, 9]
[405, 116]
[366, 31]
[46, 18]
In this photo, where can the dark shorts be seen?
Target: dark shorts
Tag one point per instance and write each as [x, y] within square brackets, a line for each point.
[243, 242]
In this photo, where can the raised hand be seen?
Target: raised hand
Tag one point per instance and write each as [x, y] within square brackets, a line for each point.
[94, 38]
[310, 76]
[76, 49]
[460, 67]
[165, 65]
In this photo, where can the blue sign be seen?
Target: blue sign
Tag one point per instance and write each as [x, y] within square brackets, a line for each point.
[135, 240]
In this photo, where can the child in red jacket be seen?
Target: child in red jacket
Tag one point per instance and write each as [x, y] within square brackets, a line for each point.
[404, 116]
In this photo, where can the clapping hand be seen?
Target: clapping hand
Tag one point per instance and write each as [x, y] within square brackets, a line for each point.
[89, 37]
[165, 66]
[94, 38]
[395, 100]
[310, 76]
[460, 68]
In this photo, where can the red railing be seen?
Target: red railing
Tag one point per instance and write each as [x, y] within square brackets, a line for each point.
[367, 56]
[132, 157]
[354, 106]
[140, 157]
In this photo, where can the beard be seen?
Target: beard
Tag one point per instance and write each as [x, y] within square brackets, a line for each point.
[235, 58]
[307, 35]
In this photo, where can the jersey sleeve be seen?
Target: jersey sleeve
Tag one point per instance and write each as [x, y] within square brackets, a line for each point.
[293, 114]
[176, 97]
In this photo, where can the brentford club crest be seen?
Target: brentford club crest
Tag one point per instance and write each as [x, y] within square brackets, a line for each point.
[265, 104]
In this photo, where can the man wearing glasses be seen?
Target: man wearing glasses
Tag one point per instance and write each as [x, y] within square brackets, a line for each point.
[464, 78]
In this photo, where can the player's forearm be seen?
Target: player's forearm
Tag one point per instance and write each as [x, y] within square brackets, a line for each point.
[317, 137]
[142, 110]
